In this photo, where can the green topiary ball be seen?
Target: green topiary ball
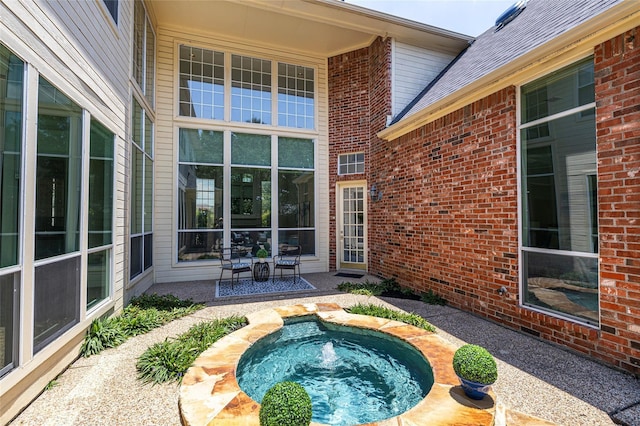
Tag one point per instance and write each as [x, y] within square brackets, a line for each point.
[475, 363]
[286, 403]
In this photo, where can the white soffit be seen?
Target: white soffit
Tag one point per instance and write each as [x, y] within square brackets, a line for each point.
[322, 28]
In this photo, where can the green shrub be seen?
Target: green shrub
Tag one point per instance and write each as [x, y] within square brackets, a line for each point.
[432, 298]
[165, 361]
[143, 314]
[103, 333]
[366, 288]
[135, 320]
[168, 360]
[286, 403]
[165, 302]
[262, 253]
[382, 312]
[475, 363]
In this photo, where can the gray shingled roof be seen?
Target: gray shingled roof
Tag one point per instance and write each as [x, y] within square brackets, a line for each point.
[540, 22]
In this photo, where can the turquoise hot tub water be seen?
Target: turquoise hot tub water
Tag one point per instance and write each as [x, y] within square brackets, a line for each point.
[352, 375]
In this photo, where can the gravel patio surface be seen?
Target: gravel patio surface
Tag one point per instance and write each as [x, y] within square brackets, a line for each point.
[535, 377]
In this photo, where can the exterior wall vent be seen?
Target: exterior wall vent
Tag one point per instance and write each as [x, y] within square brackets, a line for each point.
[510, 14]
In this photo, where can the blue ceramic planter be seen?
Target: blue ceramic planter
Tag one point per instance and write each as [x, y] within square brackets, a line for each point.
[474, 390]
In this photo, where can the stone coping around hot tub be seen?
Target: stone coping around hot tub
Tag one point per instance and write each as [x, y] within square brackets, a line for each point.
[210, 394]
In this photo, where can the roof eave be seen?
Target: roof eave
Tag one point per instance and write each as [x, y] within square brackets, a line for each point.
[572, 45]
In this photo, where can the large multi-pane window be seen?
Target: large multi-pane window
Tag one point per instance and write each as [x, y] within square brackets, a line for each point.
[141, 246]
[63, 224]
[57, 215]
[558, 198]
[238, 188]
[11, 118]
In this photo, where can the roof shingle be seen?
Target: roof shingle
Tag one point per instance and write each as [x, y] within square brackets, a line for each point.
[540, 22]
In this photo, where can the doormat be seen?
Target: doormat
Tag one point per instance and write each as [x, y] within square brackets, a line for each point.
[246, 288]
[348, 275]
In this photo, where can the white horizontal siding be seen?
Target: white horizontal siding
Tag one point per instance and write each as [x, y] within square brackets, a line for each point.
[164, 160]
[413, 68]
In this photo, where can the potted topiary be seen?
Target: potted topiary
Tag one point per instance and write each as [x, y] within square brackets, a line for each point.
[476, 369]
[262, 254]
[285, 403]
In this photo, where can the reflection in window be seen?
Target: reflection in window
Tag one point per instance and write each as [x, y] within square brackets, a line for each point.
[541, 199]
[58, 184]
[143, 51]
[295, 153]
[201, 83]
[100, 186]
[559, 216]
[58, 173]
[200, 195]
[250, 150]
[100, 213]
[98, 277]
[200, 146]
[11, 121]
[9, 303]
[250, 198]
[244, 201]
[250, 90]
[295, 96]
[295, 199]
[11, 104]
[562, 283]
[141, 187]
[201, 201]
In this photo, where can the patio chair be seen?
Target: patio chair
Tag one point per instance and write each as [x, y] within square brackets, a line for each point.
[230, 260]
[288, 258]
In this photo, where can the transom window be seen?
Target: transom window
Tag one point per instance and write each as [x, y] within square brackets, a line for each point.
[250, 90]
[349, 164]
[295, 96]
[201, 83]
[248, 95]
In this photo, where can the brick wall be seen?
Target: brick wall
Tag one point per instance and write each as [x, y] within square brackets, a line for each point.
[617, 79]
[449, 221]
[359, 101]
